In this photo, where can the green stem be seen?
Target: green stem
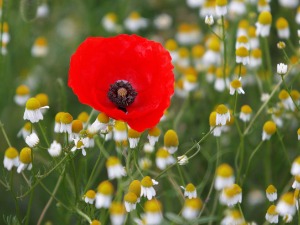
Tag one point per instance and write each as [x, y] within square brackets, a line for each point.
[93, 172]
[180, 113]
[83, 215]
[250, 160]
[213, 181]
[43, 177]
[29, 208]
[44, 134]
[214, 207]
[4, 132]
[11, 185]
[262, 108]
[51, 198]
[268, 60]
[285, 152]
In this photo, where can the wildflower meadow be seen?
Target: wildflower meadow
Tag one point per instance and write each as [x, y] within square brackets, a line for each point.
[149, 112]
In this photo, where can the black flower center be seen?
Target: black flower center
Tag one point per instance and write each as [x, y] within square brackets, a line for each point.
[122, 94]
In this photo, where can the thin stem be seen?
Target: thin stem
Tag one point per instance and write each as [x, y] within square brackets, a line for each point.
[83, 215]
[262, 108]
[4, 132]
[43, 177]
[51, 198]
[93, 172]
[11, 184]
[29, 208]
[283, 148]
[44, 134]
[268, 60]
[250, 160]
[180, 113]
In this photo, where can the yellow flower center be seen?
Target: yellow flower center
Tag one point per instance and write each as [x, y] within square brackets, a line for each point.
[83, 116]
[256, 53]
[171, 139]
[112, 161]
[102, 117]
[271, 189]
[242, 39]
[134, 16]
[295, 94]
[236, 83]
[265, 18]
[153, 205]
[281, 23]
[147, 182]
[133, 133]
[262, 3]
[135, 187]
[11, 153]
[27, 126]
[154, 132]
[214, 45]
[79, 144]
[25, 155]
[58, 116]
[184, 27]
[96, 222]
[111, 16]
[130, 197]
[272, 210]
[246, 109]
[162, 153]
[243, 24]
[288, 198]
[191, 78]
[283, 95]
[22, 90]
[66, 118]
[105, 188]
[5, 27]
[183, 53]
[270, 127]
[198, 51]
[194, 203]
[117, 208]
[221, 2]
[171, 45]
[297, 160]
[90, 194]
[190, 187]
[224, 170]
[232, 191]
[41, 41]
[212, 119]
[77, 126]
[120, 125]
[33, 104]
[222, 109]
[298, 131]
[297, 178]
[43, 99]
[236, 214]
[252, 32]
[242, 52]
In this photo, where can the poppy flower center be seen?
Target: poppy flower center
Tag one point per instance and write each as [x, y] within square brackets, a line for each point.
[122, 94]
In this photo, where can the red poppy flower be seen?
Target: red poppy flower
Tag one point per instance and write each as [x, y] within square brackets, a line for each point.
[127, 77]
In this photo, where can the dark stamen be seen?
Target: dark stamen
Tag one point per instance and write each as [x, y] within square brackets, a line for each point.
[122, 94]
